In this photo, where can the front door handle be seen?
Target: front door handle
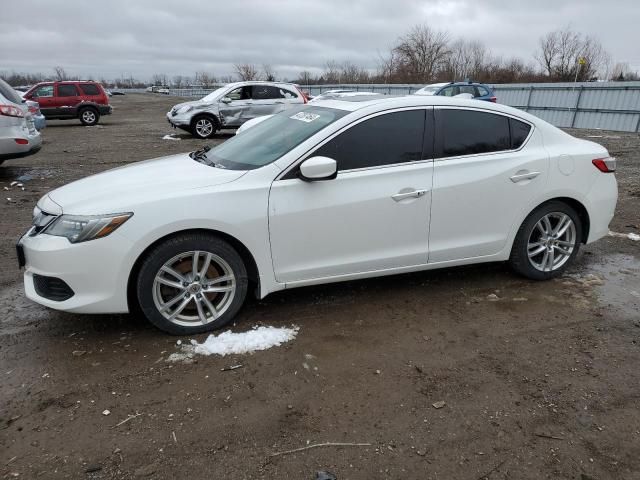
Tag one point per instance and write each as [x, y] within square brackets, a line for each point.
[519, 177]
[413, 194]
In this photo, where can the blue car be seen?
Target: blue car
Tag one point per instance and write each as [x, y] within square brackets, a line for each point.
[478, 91]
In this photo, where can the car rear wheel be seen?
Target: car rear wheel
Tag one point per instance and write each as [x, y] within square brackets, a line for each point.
[547, 242]
[204, 126]
[89, 116]
[192, 283]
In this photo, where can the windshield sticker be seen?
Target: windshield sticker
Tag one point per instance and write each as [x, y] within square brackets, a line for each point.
[305, 117]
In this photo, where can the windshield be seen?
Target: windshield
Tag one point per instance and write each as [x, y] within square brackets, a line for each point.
[429, 90]
[212, 96]
[271, 139]
[9, 93]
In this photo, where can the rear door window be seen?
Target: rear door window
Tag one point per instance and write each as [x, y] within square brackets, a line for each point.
[469, 132]
[519, 132]
[387, 139]
[285, 93]
[265, 92]
[89, 89]
[67, 90]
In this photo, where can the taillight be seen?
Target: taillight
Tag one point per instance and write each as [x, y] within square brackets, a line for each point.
[21, 141]
[304, 97]
[493, 99]
[605, 165]
[11, 111]
[33, 109]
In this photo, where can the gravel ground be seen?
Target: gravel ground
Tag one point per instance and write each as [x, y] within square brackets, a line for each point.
[541, 382]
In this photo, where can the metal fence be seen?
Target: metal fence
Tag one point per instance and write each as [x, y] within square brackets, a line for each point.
[605, 105]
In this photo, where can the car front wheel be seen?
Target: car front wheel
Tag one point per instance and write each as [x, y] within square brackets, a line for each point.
[547, 242]
[192, 283]
[203, 126]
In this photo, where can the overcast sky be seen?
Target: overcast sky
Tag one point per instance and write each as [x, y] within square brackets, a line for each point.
[143, 37]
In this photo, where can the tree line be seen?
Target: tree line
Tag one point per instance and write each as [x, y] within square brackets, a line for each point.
[422, 55]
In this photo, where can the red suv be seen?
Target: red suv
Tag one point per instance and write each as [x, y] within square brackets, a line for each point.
[73, 99]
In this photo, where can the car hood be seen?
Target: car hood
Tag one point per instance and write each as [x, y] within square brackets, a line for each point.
[121, 189]
[193, 103]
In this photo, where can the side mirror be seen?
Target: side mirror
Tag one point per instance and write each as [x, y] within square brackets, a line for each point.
[226, 100]
[318, 168]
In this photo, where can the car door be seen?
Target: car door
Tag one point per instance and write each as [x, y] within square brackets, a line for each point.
[266, 100]
[66, 99]
[488, 170]
[235, 107]
[373, 216]
[44, 96]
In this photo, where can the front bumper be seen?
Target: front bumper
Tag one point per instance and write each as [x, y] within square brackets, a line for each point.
[179, 121]
[96, 271]
[105, 109]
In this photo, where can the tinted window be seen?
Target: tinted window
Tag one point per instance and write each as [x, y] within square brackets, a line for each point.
[265, 92]
[483, 91]
[519, 132]
[383, 140]
[90, 89]
[465, 132]
[67, 91]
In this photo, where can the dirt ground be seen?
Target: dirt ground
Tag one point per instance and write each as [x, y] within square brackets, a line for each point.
[541, 383]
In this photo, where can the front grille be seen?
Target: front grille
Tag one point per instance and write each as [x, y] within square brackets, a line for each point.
[52, 288]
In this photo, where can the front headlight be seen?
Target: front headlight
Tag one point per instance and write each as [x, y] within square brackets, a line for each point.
[81, 228]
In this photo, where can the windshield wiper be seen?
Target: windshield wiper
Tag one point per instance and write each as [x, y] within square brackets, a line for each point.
[201, 154]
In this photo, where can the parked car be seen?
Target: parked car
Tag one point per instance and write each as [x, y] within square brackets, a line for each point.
[336, 94]
[232, 105]
[326, 192]
[84, 100]
[478, 91]
[328, 95]
[39, 119]
[18, 134]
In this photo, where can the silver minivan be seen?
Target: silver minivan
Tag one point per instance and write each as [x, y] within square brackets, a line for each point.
[18, 134]
[232, 105]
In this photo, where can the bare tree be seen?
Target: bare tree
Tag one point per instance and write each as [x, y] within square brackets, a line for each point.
[246, 71]
[305, 78]
[422, 52]
[60, 73]
[331, 73]
[567, 55]
[178, 80]
[268, 73]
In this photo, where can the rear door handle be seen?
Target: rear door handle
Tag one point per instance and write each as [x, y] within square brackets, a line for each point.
[413, 194]
[524, 176]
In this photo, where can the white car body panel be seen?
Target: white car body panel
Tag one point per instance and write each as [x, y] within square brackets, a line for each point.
[303, 233]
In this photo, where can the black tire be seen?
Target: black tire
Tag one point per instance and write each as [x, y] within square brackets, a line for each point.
[204, 126]
[519, 259]
[89, 116]
[147, 289]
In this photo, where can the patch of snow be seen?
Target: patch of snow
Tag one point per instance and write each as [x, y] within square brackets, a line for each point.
[170, 137]
[631, 236]
[230, 343]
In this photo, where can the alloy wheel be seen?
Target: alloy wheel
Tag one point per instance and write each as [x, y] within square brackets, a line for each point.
[194, 288]
[204, 127]
[551, 241]
[88, 116]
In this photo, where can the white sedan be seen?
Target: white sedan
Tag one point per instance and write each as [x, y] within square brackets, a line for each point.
[326, 192]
